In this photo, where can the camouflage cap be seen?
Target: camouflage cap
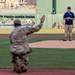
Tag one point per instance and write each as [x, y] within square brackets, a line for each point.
[17, 21]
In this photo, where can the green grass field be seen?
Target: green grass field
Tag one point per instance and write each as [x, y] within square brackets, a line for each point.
[40, 58]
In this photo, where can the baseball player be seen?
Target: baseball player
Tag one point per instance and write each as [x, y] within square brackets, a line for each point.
[19, 44]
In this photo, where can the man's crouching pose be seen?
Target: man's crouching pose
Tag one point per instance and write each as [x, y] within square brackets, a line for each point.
[19, 44]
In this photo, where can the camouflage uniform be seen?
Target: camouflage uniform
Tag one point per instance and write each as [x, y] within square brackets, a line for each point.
[19, 43]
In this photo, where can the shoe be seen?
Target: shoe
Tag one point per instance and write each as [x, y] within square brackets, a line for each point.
[70, 40]
[23, 68]
[15, 65]
[18, 68]
[64, 40]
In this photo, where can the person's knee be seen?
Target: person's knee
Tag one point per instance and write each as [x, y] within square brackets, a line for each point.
[70, 31]
[24, 61]
[66, 31]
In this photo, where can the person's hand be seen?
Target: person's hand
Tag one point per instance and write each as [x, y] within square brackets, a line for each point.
[70, 18]
[42, 19]
[67, 18]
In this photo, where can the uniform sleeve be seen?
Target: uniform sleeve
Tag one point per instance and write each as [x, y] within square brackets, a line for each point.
[73, 16]
[64, 15]
[29, 30]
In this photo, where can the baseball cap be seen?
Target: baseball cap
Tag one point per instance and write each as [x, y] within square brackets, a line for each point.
[69, 8]
[17, 21]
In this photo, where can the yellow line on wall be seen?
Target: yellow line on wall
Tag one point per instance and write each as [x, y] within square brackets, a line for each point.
[42, 31]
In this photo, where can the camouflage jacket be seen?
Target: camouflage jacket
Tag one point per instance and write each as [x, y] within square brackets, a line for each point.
[19, 39]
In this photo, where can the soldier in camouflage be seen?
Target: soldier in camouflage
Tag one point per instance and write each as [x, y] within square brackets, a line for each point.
[19, 44]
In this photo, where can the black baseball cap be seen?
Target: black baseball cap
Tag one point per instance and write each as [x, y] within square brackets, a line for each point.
[68, 7]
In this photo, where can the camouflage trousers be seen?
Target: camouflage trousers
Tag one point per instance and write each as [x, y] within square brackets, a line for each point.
[21, 59]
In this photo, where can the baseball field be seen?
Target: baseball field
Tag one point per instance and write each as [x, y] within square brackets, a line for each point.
[42, 61]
